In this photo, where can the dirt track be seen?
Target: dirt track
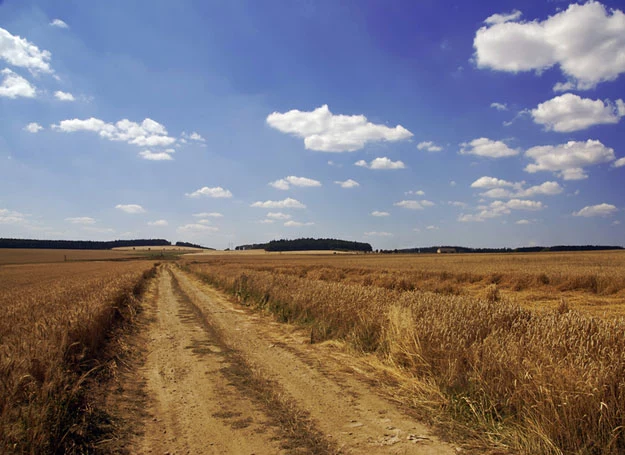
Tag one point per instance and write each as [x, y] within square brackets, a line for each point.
[220, 379]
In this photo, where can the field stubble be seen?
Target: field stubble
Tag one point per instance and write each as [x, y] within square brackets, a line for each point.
[549, 381]
[54, 320]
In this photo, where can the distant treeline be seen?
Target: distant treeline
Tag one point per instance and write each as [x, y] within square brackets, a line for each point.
[528, 249]
[308, 244]
[192, 245]
[89, 244]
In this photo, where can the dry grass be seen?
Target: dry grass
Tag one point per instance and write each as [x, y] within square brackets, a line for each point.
[54, 319]
[545, 382]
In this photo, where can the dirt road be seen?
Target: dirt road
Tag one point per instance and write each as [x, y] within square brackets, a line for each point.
[218, 379]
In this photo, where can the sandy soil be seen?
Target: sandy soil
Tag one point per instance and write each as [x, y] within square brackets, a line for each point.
[218, 379]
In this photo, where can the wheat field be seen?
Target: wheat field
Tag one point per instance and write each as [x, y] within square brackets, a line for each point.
[464, 336]
[54, 319]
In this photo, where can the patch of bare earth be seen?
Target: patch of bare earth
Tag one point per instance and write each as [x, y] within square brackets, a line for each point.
[219, 379]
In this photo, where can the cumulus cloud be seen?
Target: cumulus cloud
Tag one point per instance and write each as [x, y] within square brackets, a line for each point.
[503, 18]
[194, 228]
[148, 133]
[22, 53]
[349, 183]
[278, 216]
[491, 182]
[457, 204]
[429, 146]
[596, 210]
[568, 160]
[570, 112]
[381, 163]
[523, 222]
[130, 208]
[619, 163]
[292, 223]
[86, 220]
[378, 213]
[499, 106]
[503, 189]
[13, 85]
[157, 156]
[288, 182]
[378, 234]
[216, 192]
[159, 223]
[33, 127]
[414, 205]
[287, 203]
[326, 132]
[11, 217]
[487, 148]
[194, 136]
[586, 41]
[64, 96]
[59, 23]
[208, 215]
[432, 228]
[499, 208]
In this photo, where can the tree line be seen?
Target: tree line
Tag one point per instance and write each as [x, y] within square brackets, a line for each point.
[527, 249]
[308, 244]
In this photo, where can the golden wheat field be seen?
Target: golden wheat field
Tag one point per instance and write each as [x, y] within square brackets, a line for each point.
[54, 318]
[527, 350]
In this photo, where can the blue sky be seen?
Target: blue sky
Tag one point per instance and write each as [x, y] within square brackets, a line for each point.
[397, 123]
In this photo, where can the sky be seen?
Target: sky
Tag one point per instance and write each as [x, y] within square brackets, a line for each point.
[401, 124]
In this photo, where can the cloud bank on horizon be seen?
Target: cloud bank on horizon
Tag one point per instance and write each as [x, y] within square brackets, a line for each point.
[512, 128]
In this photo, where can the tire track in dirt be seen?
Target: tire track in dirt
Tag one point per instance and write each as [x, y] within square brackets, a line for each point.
[318, 388]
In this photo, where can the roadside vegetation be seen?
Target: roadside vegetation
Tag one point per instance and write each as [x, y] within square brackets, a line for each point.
[54, 323]
[549, 380]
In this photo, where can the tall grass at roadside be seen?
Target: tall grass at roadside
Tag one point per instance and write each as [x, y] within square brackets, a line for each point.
[546, 383]
[53, 323]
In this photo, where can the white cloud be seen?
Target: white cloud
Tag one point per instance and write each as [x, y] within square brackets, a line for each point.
[267, 221]
[292, 223]
[432, 228]
[287, 203]
[64, 96]
[616, 223]
[33, 127]
[492, 182]
[157, 156]
[416, 193]
[596, 210]
[487, 148]
[570, 112]
[499, 208]
[216, 192]
[429, 146]
[204, 221]
[208, 215]
[457, 204]
[619, 163]
[81, 220]
[22, 53]
[130, 208]
[498, 188]
[452, 183]
[195, 228]
[503, 18]
[278, 216]
[545, 188]
[568, 160]
[59, 23]
[13, 85]
[11, 217]
[378, 234]
[158, 223]
[381, 163]
[523, 222]
[586, 41]
[378, 213]
[148, 133]
[499, 106]
[287, 182]
[414, 205]
[563, 86]
[194, 136]
[326, 132]
[349, 183]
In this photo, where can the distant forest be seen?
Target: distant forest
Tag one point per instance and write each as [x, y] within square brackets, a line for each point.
[192, 245]
[528, 249]
[88, 244]
[308, 244]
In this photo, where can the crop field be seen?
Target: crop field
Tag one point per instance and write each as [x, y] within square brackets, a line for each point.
[526, 350]
[34, 256]
[54, 319]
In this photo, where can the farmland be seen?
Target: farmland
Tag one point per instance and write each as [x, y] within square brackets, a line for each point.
[54, 320]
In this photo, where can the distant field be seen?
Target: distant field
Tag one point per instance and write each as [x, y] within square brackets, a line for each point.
[593, 282]
[168, 248]
[33, 256]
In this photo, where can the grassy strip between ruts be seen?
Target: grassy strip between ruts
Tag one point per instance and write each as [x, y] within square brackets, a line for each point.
[545, 383]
